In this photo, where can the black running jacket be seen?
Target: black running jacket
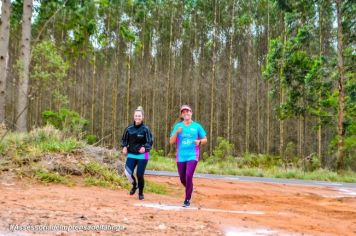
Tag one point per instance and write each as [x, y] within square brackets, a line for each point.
[135, 137]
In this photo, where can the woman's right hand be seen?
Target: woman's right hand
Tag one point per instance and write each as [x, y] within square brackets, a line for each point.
[124, 150]
[179, 130]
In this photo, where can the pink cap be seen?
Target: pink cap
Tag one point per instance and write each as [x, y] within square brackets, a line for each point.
[185, 107]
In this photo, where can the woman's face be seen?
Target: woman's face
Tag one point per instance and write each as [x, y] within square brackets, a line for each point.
[138, 117]
[186, 114]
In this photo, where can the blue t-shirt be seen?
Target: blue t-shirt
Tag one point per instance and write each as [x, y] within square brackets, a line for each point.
[186, 150]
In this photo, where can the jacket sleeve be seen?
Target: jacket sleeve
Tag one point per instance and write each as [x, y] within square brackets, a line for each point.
[125, 138]
[149, 140]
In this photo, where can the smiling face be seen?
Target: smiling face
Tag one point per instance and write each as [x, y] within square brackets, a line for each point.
[138, 117]
[186, 114]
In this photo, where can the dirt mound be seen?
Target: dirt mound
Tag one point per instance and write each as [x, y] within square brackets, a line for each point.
[71, 163]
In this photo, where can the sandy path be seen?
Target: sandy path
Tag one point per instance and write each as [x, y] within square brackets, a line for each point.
[219, 208]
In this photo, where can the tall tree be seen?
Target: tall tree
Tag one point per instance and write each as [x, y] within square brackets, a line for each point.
[24, 65]
[341, 86]
[213, 78]
[4, 55]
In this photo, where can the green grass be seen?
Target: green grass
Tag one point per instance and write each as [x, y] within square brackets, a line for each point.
[39, 141]
[93, 181]
[157, 162]
[230, 167]
[153, 187]
[50, 177]
[53, 145]
[100, 175]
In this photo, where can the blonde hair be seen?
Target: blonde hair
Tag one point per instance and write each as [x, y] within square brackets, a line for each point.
[140, 109]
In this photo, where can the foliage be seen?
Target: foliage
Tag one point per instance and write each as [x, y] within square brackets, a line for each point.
[66, 120]
[140, 48]
[245, 166]
[103, 176]
[50, 177]
[222, 151]
[159, 162]
[38, 141]
[48, 66]
[91, 138]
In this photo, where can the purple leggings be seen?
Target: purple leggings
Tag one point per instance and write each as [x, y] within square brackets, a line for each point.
[186, 172]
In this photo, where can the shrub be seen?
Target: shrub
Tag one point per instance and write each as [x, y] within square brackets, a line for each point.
[91, 138]
[69, 121]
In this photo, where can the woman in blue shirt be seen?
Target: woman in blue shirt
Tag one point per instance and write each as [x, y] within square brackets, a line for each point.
[188, 135]
[136, 143]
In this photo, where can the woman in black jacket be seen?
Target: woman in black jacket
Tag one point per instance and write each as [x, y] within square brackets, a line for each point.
[136, 143]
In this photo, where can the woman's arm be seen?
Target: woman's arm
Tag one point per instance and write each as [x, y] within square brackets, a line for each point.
[125, 138]
[173, 138]
[125, 141]
[203, 140]
[149, 140]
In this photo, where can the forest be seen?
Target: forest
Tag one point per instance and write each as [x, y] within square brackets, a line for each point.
[267, 76]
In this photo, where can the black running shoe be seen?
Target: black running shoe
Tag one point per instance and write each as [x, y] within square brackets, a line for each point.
[133, 190]
[141, 197]
[186, 203]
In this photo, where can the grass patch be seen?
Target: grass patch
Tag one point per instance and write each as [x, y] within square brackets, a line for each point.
[53, 145]
[158, 162]
[234, 167]
[37, 142]
[100, 175]
[49, 177]
[92, 181]
[153, 187]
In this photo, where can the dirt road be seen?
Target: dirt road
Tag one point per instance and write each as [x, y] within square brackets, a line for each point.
[218, 208]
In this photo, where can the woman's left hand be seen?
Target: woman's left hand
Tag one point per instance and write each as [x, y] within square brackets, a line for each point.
[142, 150]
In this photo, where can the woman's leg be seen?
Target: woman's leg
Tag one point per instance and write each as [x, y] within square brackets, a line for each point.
[141, 167]
[191, 165]
[182, 167]
[129, 172]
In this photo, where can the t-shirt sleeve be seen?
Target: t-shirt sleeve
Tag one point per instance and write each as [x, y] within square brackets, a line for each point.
[201, 132]
[176, 126]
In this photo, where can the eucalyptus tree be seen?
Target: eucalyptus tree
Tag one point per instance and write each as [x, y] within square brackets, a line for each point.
[24, 67]
[346, 132]
[349, 32]
[4, 53]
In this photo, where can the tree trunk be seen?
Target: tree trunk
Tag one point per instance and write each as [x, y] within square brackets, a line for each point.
[128, 85]
[281, 122]
[168, 83]
[213, 74]
[229, 77]
[268, 135]
[22, 102]
[93, 95]
[341, 87]
[321, 41]
[4, 53]
[248, 102]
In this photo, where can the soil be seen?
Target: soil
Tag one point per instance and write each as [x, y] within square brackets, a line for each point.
[218, 208]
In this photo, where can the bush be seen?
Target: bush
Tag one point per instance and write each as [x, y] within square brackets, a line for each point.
[290, 154]
[91, 139]
[66, 120]
[222, 151]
